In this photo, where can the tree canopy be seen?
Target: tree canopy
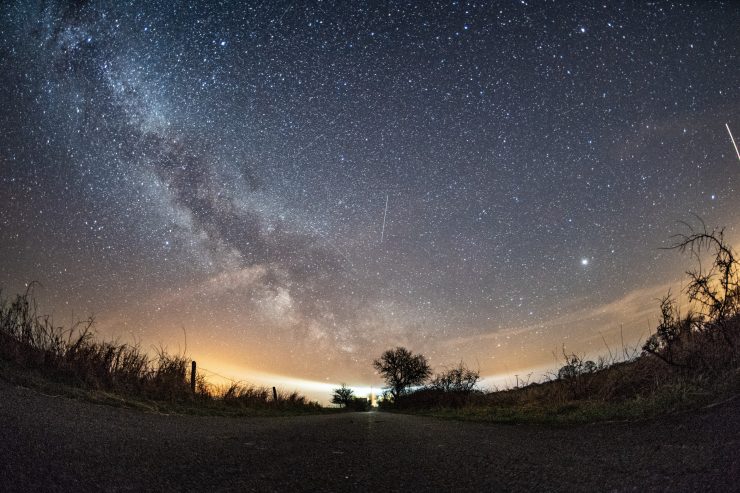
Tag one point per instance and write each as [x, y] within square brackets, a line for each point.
[343, 396]
[402, 369]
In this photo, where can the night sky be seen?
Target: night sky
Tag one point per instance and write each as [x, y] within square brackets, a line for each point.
[221, 171]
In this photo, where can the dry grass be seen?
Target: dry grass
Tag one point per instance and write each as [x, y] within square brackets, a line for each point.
[688, 361]
[74, 357]
[256, 397]
[705, 368]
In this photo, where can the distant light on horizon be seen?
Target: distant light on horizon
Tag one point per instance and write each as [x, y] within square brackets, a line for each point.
[299, 189]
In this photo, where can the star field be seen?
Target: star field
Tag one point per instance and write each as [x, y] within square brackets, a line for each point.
[224, 169]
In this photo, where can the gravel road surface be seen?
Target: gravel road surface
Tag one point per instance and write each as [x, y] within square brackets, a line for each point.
[59, 444]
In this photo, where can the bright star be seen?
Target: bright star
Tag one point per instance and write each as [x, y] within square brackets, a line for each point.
[584, 261]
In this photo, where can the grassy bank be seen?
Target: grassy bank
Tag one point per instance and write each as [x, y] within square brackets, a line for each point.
[692, 360]
[544, 403]
[695, 366]
[73, 361]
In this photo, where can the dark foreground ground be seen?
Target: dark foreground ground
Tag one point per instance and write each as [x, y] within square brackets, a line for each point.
[55, 443]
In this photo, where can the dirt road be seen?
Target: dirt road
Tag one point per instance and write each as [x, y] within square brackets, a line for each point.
[54, 443]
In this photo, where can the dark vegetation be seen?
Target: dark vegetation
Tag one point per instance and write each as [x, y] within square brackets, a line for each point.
[33, 350]
[401, 370]
[345, 397]
[452, 388]
[690, 361]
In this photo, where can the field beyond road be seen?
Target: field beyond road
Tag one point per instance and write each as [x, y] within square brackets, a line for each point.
[57, 443]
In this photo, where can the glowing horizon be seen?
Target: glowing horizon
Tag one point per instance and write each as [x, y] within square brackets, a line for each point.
[296, 190]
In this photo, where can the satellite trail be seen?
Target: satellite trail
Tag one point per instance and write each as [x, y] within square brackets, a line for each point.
[382, 231]
[733, 141]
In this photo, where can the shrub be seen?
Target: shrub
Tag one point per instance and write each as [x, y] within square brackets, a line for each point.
[359, 404]
[458, 379]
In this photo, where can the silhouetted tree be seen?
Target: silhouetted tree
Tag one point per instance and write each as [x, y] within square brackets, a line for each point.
[717, 289]
[402, 369]
[716, 293]
[343, 396]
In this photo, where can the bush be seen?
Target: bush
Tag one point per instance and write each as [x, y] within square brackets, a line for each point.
[359, 404]
[458, 379]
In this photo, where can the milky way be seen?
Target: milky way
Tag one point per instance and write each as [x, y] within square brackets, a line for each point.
[224, 170]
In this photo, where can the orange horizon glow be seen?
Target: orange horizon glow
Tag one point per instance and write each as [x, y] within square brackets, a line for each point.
[503, 358]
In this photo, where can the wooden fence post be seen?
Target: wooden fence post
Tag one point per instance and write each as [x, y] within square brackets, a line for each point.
[274, 394]
[192, 377]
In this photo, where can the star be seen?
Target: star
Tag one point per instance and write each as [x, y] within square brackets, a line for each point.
[226, 170]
